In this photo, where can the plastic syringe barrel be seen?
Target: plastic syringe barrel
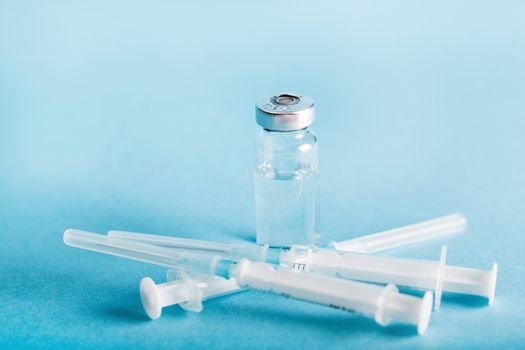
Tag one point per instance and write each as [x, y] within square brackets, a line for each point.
[381, 303]
[420, 274]
[401, 236]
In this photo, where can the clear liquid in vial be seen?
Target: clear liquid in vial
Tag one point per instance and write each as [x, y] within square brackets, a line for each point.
[287, 206]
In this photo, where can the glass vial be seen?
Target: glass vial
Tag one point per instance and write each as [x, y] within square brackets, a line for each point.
[287, 172]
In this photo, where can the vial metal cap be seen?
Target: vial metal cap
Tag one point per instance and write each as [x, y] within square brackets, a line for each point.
[285, 112]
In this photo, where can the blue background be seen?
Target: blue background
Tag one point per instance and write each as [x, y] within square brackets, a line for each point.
[140, 116]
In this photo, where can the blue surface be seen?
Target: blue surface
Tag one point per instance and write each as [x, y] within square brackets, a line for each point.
[139, 116]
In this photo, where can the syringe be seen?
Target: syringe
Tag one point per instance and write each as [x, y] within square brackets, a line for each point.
[413, 273]
[381, 303]
[419, 274]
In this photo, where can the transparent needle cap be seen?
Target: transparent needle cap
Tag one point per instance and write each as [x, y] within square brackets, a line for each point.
[234, 250]
[402, 236]
[147, 253]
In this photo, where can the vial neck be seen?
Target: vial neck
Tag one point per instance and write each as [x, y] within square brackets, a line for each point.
[288, 132]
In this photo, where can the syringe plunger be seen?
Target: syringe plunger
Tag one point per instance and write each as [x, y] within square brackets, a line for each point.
[187, 291]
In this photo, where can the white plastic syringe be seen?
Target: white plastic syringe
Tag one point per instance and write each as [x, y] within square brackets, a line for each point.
[413, 273]
[381, 303]
[419, 274]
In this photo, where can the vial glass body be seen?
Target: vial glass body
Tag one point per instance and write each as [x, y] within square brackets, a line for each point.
[287, 188]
